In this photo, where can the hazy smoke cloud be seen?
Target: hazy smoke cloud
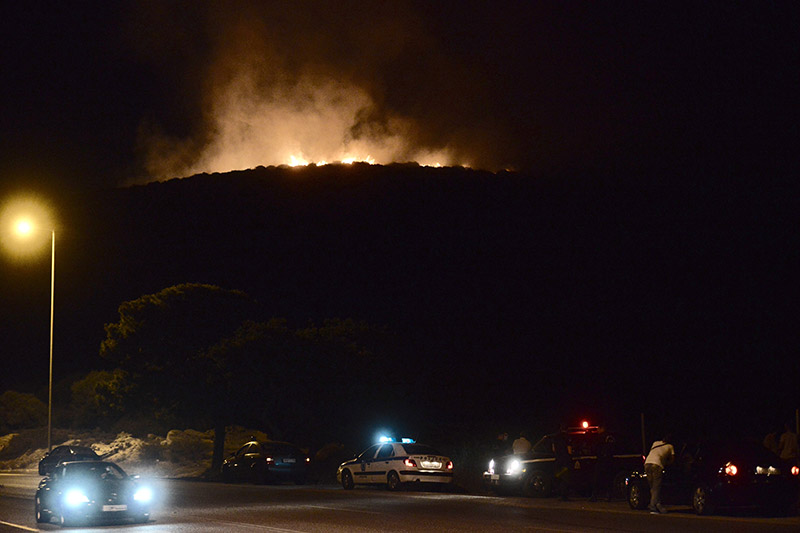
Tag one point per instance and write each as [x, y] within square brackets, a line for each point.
[278, 88]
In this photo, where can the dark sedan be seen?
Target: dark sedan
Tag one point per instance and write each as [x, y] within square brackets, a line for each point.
[65, 453]
[91, 491]
[723, 475]
[266, 462]
[535, 473]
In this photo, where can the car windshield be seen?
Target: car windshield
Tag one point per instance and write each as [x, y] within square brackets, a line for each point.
[420, 449]
[82, 450]
[103, 471]
[369, 453]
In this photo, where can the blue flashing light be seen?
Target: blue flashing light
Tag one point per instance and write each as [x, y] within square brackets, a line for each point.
[406, 440]
[384, 438]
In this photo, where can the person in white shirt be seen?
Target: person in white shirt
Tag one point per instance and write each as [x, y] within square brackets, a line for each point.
[521, 445]
[661, 454]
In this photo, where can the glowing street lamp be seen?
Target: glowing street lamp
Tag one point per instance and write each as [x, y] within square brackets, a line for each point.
[29, 221]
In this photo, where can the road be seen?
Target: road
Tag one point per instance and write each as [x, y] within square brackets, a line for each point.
[187, 506]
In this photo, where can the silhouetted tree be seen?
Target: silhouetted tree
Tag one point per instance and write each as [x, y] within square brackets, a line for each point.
[21, 410]
[296, 383]
[97, 398]
[159, 339]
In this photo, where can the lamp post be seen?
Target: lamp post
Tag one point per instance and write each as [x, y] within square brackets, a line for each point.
[52, 305]
[28, 217]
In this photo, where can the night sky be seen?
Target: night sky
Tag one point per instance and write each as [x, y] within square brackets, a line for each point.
[688, 108]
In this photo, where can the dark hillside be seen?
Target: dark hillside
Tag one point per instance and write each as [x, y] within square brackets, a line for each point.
[518, 297]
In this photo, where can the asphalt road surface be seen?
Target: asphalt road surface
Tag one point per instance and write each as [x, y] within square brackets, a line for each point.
[186, 506]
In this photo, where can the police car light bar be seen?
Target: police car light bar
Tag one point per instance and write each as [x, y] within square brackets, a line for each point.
[404, 440]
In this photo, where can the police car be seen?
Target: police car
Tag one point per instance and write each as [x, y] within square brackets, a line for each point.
[394, 463]
[535, 473]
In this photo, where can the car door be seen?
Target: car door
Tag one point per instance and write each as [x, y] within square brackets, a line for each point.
[382, 463]
[242, 462]
[677, 480]
[251, 460]
[584, 460]
[362, 467]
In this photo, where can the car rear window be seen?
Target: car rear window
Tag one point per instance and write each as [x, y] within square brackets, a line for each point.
[281, 449]
[420, 449]
[82, 450]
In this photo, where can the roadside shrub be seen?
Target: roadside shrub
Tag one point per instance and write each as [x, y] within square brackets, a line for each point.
[151, 450]
[19, 410]
[325, 462]
[189, 445]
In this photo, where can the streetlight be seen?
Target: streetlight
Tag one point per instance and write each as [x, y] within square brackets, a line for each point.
[29, 220]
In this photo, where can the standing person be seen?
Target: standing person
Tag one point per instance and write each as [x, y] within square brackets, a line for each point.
[563, 464]
[521, 445]
[661, 454]
[500, 446]
[604, 469]
[787, 445]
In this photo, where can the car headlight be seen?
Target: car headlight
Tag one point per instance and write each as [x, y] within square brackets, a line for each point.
[143, 494]
[74, 497]
[768, 470]
[491, 466]
[513, 467]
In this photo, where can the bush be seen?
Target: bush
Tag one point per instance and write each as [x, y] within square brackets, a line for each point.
[189, 445]
[326, 461]
[97, 399]
[19, 410]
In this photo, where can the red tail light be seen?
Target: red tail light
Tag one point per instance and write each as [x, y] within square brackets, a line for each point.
[795, 470]
[449, 465]
[411, 463]
[731, 470]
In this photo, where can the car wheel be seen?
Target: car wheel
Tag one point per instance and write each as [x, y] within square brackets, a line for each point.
[701, 501]
[536, 485]
[393, 481]
[638, 496]
[347, 480]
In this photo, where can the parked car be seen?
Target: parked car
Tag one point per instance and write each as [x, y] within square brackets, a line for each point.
[534, 473]
[722, 474]
[266, 462]
[395, 463]
[88, 491]
[65, 453]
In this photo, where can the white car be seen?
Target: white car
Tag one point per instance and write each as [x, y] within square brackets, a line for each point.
[394, 463]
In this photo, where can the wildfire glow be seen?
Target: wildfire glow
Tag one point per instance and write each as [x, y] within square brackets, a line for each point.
[298, 161]
[310, 120]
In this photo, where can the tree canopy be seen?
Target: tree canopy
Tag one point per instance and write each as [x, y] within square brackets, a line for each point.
[193, 354]
[159, 338]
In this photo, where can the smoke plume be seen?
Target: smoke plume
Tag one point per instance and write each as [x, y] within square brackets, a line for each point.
[278, 88]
